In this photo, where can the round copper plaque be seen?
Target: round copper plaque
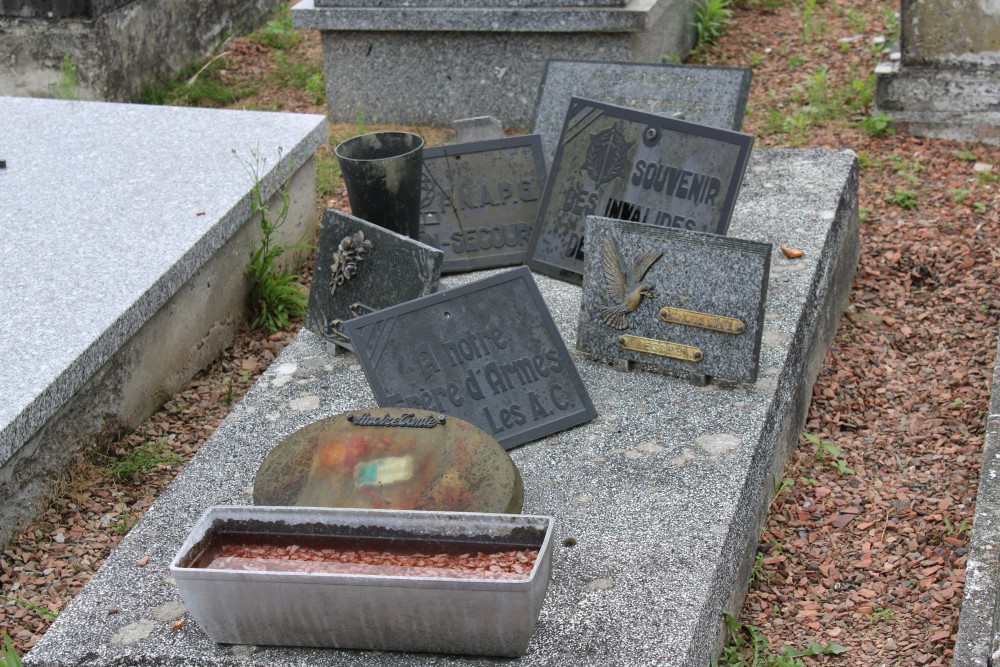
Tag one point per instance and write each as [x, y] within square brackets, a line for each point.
[391, 458]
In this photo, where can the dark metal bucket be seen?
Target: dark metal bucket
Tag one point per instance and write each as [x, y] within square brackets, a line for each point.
[382, 174]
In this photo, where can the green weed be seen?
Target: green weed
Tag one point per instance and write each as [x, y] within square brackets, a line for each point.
[903, 198]
[987, 177]
[275, 294]
[747, 646]
[28, 604]
[881, 615]
[139, 461]
[758, 573]
[959, 195]
[966, 156]
[798, 60]
[950, 529]
[877, 125]
[797, 127]
[891, 25]
[278, 33]
[317, 86]
[8, 656]
[296, 73]
[66, 86]
[831, 453]
[857, 21]
[710, 21]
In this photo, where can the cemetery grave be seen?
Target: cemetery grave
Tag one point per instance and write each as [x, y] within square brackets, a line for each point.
[904, 455]
[144, 251]
[630, 491]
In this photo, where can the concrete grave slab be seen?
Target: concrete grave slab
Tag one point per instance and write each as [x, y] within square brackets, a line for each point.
[978, 640]
[663, 495]
[128, 229]
[361, 267]
[673, 300]
[480, 201]
[713, 96]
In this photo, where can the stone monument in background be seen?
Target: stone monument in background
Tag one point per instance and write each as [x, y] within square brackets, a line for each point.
[945, 82]
[107, 49]
[429, 62]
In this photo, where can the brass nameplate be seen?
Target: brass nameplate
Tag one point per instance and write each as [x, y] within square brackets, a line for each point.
[660, 348]
[693, 318]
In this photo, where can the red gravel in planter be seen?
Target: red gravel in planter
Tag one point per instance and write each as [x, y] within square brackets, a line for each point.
[256, 556]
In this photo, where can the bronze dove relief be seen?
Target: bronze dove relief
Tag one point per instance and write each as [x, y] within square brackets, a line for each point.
[624, 288]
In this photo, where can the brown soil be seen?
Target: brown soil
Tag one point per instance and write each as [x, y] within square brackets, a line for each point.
[867, 538]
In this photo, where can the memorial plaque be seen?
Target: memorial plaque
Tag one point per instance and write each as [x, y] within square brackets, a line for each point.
[487, 352]
[618, 163]
[480, 201]
[674, 300]
[360, 268]
[713, 96]
[391, 458]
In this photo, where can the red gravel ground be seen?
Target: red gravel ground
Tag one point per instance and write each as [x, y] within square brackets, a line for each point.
[866, 542]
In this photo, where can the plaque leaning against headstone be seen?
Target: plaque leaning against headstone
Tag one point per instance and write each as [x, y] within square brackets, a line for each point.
[619, 163]
[487, 352]
[480, 200]
[360, 268]
[687, 303]
[713, 96]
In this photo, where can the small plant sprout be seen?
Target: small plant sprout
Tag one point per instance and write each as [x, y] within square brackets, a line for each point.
[747, 646]
[877, 125]
[8, 656]
[830, 453]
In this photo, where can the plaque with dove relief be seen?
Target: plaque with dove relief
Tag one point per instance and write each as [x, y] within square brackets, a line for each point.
[672, 300]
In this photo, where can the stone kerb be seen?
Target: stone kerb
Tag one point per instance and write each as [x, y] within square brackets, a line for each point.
[978, 642]
[664, 494]
[433, 64]
[130, 227]
[944, 79]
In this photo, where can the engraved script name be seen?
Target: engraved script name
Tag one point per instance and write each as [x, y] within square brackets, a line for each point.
[408, 420]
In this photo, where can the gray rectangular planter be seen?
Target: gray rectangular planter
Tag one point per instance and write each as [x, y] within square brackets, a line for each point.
[361, 611]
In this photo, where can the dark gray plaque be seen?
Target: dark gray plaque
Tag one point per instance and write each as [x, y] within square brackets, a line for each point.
[480, 201]
[618, 163]
[713, 96]
[361, 267]
[487, 352]
[684, 302]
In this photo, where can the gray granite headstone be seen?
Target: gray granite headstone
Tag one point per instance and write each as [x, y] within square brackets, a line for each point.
[713, 96]
[620, 163]
[480, 200]
[468, 4]
[361, 267]
[481, 128]
[487, 352]
[678, 301]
